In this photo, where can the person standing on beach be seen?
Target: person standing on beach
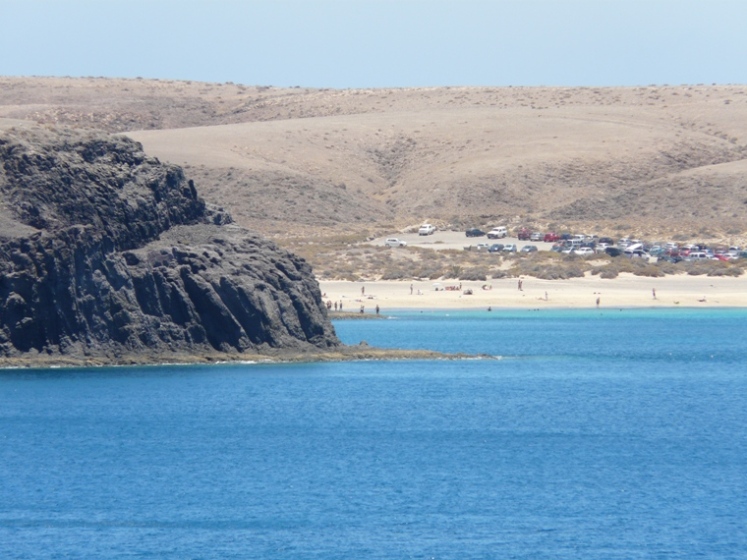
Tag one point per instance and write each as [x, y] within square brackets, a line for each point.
[410, 289]
[377, 309]
[598, 299]
[363, 290]
[653, 292]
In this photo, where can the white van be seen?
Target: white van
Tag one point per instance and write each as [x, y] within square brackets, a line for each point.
[498, 233]
[426, 229]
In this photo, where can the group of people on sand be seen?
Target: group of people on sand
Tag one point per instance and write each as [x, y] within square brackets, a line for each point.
[337, 306]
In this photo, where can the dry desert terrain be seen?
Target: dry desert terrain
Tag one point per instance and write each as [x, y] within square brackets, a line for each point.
[320, 170]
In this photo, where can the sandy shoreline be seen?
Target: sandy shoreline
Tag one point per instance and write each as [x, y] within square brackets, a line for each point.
[625, 291]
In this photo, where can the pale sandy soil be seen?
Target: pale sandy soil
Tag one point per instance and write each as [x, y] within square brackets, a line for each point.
[648, 162]
[623, 292]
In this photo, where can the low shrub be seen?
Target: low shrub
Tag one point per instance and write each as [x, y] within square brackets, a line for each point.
[497, 273]
[549, 271]
[475, 273]
[395, 273]
[732, 271]
[431, 271]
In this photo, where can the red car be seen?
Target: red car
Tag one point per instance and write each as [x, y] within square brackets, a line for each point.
[551, 237]
[524, 234]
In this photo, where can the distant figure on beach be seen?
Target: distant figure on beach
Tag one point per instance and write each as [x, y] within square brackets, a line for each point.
[377, 308]
[363, 290]
[598, 302]
[653, 292]
[362, 309]
[490, 308]
[335, 306]
[545, 296]
[340, 306]
[520, 285]
[419, 292]
[410, 289]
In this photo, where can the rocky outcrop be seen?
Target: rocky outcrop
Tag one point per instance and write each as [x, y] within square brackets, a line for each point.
[105, 252]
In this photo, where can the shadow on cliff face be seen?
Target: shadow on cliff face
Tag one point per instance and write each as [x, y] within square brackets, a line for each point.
[106, 252]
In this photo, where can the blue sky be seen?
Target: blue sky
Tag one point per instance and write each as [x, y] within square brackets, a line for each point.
[380, 43]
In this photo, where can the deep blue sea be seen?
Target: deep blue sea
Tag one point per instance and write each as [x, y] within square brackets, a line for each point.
[592, 435]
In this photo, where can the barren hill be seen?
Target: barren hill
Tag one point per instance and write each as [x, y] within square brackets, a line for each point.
[657, 160]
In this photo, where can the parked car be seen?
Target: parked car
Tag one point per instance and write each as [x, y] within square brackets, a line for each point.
[655, 250]
[482, 247]
[394, 242]
[426, 229]
[529, 249]
[674, 259]
[474, 232]
[496, 248]
[613, 251]
[536, 236]
[583, 251]
[639, 253]
[524, 234]
[551, 237]
[498, 233]
[510, 248]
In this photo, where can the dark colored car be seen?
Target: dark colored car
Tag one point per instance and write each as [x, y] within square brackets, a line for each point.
[474, 232]
[613, 251]
[496, 248]
[674, 259]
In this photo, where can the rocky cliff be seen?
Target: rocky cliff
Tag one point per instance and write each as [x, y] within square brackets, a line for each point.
[108, 254]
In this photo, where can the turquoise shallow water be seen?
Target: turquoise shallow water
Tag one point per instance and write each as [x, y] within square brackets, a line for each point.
[596, 435]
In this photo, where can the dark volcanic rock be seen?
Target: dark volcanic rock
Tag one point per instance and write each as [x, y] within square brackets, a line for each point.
[105, 252]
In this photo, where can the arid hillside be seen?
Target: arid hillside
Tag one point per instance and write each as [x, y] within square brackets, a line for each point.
[644, 161]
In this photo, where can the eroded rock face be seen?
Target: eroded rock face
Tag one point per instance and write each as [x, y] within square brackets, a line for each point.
[106, 252]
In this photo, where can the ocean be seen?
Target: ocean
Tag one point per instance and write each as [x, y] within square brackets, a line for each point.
[615, 434]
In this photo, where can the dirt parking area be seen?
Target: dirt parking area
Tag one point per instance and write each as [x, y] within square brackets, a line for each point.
[441, 240]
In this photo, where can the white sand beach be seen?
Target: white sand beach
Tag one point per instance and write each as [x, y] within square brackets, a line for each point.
[625, 291]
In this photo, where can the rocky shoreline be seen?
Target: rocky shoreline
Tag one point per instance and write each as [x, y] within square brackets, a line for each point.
[340, 354]
[110, 256]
